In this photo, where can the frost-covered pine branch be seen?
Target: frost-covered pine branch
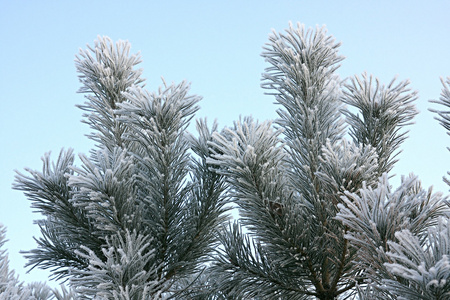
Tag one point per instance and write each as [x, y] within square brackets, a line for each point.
[289, 182]
[444, 115]
[140, 213]
[422, 261]
[376, 216]
[106, 71]
[11, 288]
[277, 182]
[383, 111]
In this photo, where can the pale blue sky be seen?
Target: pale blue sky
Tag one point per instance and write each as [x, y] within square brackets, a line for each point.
[216, 45]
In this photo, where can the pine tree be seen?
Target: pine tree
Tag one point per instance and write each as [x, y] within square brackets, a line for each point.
[322, 219]
[139, 216]
[143, 217]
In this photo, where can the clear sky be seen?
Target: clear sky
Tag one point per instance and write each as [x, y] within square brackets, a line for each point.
[216, 45]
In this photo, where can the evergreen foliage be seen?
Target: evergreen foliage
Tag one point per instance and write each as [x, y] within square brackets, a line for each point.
[10, 287]
[13, 289]
[320, 222]
[143, 217]
[140, 214]
[444, 115]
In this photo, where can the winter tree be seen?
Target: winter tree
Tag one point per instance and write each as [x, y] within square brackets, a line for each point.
[143, 216]
[140, 214]
[313, 192]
